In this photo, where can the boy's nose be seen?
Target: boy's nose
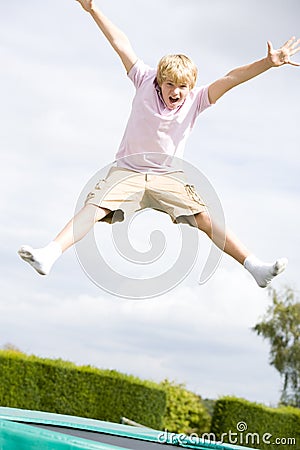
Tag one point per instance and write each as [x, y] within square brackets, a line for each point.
[176, 91]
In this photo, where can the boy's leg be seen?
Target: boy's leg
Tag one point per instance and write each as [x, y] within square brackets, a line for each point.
[80, 225]
[229, 243]
[42, 259]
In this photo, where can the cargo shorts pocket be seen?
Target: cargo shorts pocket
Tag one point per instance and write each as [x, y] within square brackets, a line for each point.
[191, 192]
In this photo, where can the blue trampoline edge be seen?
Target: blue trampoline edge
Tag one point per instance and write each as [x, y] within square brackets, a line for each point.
[23, 429]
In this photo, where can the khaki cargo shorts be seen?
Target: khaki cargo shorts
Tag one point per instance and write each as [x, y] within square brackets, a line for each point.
[125, 192]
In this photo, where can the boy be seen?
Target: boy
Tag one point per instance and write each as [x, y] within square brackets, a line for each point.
[164, 110]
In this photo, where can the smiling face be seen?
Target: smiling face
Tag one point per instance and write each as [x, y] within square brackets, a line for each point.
[174, 95]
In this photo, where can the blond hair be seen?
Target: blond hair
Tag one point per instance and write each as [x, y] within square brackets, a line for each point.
[177, 68]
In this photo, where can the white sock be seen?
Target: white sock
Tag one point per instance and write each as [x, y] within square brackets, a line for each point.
[41, 259]
[264, 273]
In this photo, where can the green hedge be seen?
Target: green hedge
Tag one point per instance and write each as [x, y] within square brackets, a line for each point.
[28, 382]
[252, 425]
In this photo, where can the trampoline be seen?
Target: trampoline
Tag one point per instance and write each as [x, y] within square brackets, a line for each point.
[22, 429]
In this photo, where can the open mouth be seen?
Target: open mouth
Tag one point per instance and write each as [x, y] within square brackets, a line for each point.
[174, 100]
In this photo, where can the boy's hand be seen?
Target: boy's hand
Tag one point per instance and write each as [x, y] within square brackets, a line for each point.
[282, 55]
[87, 5]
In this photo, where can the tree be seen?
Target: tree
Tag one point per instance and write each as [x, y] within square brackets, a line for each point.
[281, 326]
[11, 347]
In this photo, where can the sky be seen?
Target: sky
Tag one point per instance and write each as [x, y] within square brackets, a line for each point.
[65, 99]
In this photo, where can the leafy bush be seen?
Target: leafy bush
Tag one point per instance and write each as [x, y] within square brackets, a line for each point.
[28, 382]
[185, 412]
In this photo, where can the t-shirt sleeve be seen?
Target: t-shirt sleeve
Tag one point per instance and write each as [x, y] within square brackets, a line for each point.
[139, 72]
[203, 99]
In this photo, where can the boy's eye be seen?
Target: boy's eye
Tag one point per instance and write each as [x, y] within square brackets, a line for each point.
[182, 86]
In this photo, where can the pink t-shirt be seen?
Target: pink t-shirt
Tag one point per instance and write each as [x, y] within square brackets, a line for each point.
[155, 134]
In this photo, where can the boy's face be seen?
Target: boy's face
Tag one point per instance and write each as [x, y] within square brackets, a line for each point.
[174, 95]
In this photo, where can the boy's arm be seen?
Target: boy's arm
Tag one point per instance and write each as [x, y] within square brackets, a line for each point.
[118, 40]
[274, 58]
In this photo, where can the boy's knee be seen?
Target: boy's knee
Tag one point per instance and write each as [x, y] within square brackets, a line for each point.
[203, 221]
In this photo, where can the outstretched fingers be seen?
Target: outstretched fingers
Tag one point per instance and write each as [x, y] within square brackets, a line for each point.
[293, 63]
[295, 47]
[289, 42]
[270, 46]
[291, 47]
